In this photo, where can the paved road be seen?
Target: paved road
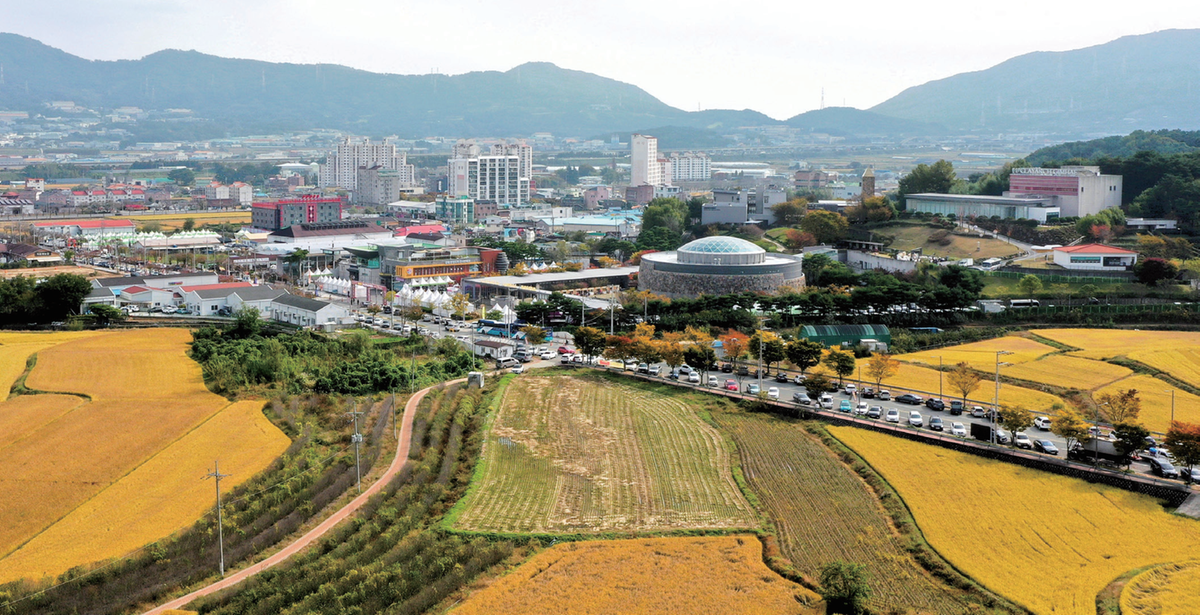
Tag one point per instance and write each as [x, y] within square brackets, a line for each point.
[402, 447]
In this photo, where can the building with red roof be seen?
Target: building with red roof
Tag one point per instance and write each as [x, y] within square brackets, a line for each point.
[1095, 257]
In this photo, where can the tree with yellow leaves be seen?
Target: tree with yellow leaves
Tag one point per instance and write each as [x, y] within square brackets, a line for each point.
[964, 379]
[881, 366]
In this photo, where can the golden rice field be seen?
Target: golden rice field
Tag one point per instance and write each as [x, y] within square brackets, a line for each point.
[824, 512]
[568, 454]
[1171, 589]
[162, 495]
[1047, 542]
[651, 576]
[146, 396]
[1067, 372]
[1156, 401]
[15, 349]
[982, 355]
[175, 220]
[1104, 343]
[1182, 362]
[925, 379]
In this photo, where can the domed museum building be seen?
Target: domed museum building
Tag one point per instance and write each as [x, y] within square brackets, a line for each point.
[718, 266]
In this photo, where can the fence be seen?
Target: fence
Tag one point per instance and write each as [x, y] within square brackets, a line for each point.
[1091, 277]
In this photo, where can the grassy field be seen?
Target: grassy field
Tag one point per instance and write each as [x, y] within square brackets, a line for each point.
[1047, 542]
[824, 512]
[1068, 372]
[711, 575]
[908, 238]
[137, 397]
[1004, 287]
[584, 454]
[1164, 590]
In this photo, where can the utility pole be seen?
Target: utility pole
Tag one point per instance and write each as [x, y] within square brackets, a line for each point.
[216, 474]
[996, 400]
[357, 440]
[760, 370]
[940, 379]
[1172, 392]
[611, 316]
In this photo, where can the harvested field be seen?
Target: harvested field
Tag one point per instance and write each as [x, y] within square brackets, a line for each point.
[982, 355]
[926, 380]
[146, 394]
[155, 499]
[1052, 542]
[1156, 401]
[1171, 589]
[1068, 372]
[712, 575]
[569, 454]
[45, 272]
[823, 512]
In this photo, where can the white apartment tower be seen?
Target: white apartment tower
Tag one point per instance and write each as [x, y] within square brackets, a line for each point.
[341, 167]
[502, 176]
[643, 159]
[691, 167]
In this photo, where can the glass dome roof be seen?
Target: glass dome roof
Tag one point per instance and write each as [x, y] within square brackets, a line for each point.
[720, 250]
[721, 245]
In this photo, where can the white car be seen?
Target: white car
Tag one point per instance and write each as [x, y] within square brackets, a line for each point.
[519, 369]
[713, 381]
[170, 309]
[694, 377]
[958, 429]
[850, 389]
[885, 395]
[915, 419]
[861, 408]
[1041, 422]
[826, 401]
[753, 389]
[773, 393]
[892, 416]
[1022, 441]
[548, 356]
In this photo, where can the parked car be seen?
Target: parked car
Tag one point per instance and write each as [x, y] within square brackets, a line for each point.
[978, 412]
[693, 377]
[798, 379]
[1162, 467]
[519, 369]
[713, 382]
[731, 385]
[753, 388]
[958, 429]
[850, 389]
[507, 362]
[909, 398]
[935, 404]
[617, 364]
[642, 368]
[867, 393]
[1003, 437]
[956, 407]
[685, 369]
[170, 309]
[565, 350]
[874, 412]
[1042, 423]
[674, 375]
[773, 393]
[781, 377]
[844, 406]
[826, 401]
[861, 408]
[801, 398]
[1190, 475]
[548, 356]
[935, 424]
[1023, 441]
[743, 371]
[1045, 446]
[892, 416]
[915, 419]
[727, 368]
[885, 395]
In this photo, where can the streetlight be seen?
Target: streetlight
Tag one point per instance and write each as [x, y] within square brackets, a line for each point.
[940, 378]
[996, 400]
[1172, 392]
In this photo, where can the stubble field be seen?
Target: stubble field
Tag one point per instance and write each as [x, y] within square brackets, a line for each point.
[572, 454]
[1047, 542]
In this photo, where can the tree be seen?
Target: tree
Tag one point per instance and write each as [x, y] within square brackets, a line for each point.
[246, 322]
[772, 348]
[937, 178]
[189, 224]
[1130, 437]
[672, 352]
[659, 238]
[702, 357]
[1015, 419]
[845, 587]
[459, 303]
[59, 296]
[882, 366]
[534, 334]
[590, 341]
[1029, 284]
[825, 226]
[964, 379]
[818, 383]
[841, 362]
[494, 315]
[645, 350]
[1120, 407]
[797, 240]
[618, 347]
[804, 353]
[668, 214]
[293, 261]
[790, 213]
[105, 314]
[1068, 425]
[1183, 442]
[734, 345]
[182, 177]
[1087, 291]
[1151, 271]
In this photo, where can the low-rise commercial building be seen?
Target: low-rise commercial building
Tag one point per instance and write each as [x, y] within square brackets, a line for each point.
[305, 312]
[1096, 257]
[1040, 208]
[276, 215]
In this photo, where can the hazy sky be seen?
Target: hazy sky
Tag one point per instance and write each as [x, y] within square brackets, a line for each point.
[774, 56]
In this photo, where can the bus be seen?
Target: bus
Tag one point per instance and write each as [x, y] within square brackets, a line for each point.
[1023, 303]
[508, 329]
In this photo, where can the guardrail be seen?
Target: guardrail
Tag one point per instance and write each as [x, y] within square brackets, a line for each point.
[1172, 491]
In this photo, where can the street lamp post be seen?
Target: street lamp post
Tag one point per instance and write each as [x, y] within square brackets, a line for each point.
[940, 378]
[996, 399]
[1172, 392]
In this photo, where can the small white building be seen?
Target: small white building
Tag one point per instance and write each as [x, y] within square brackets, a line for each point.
[144, 296]
[257, 297]
[493, 349]
[1095, 256]
[305, 312]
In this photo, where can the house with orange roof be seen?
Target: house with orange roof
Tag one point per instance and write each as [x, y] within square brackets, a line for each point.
[1095, 257]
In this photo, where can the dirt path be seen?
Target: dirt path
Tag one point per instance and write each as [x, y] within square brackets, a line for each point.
[410, 411]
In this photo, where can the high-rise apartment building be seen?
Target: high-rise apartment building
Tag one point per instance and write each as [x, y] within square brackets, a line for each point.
[502, 176]
[341, 167]
[645, 169]
[691, 167]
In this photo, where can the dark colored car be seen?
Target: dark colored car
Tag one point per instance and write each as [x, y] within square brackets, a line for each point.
[956, 407]
[727, 368]
[1162, 467]
[743, 371]
[909, 398]
[1045, 446]
[674, 375]
[781, 377]
[867, 393]
[935, 404]
[874, 412]
[935, 423]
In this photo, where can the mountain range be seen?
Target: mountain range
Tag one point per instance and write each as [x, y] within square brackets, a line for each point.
[1149, 81]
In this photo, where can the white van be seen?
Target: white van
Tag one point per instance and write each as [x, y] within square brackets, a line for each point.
[827, 401]
[507, 362]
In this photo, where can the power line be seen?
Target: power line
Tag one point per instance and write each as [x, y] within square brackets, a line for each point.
[357, 440]
[216, 474]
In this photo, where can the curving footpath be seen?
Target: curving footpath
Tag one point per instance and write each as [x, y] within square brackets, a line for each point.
[410, 411]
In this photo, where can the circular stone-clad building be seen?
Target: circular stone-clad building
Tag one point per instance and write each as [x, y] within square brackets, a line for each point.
[718, 265]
